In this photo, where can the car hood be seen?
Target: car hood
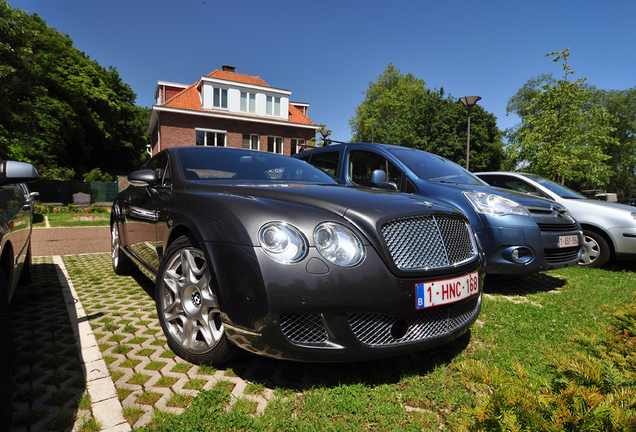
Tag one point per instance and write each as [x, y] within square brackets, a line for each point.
[234, 214]
[583, 209]
[335, 199]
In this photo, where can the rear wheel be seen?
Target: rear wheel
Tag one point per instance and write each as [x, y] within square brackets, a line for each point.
[6, 398]
[188, 307]
[122, 265]
[596, 251]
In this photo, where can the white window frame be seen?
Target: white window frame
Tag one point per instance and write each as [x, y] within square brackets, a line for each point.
[216, 133]
[295, 142]
[272, 106]
[222, 92]
[276, 143]
[250, 102]
[254, 139]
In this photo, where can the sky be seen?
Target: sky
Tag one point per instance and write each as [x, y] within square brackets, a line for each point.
[327, 53]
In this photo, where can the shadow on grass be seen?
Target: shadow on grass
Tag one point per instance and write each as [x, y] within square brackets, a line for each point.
[522, 284]
[47, 373]
[620, 266]
[299, 376]
[144, 283]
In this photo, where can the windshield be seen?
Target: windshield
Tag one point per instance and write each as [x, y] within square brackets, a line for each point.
[218, 163]
[560, 190]
[435, 168]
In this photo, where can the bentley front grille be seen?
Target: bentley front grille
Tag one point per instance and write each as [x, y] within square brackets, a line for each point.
[427, 242]
[381, 330]
[303, 328]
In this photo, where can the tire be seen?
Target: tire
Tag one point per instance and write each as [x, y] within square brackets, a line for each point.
[187, 306]
[6, 386]
[596, 251]
[122, 265]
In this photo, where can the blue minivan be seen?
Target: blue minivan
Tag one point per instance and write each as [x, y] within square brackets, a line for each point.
[519, 233]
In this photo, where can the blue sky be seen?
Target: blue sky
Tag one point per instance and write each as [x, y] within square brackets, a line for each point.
[328, 52]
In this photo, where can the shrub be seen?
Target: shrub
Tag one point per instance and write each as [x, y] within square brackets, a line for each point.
[592, 389]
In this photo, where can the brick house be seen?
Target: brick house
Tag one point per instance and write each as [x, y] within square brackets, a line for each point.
[229, 109]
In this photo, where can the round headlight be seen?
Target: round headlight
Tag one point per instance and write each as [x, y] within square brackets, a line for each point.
[283, 242]
[338, 244]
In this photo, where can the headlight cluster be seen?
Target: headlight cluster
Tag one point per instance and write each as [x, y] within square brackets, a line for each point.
[338, 244]
[494, 205]
[287, 244]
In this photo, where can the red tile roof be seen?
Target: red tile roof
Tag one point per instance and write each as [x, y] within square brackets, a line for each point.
[190, 98]
[236, 77]
[296, 116]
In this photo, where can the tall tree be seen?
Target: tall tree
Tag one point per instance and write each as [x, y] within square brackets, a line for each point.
[59, 109]
[622, 105]
[399, 109]
[562, 134]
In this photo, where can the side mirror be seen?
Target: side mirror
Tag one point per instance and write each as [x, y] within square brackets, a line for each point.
[380, 180]
[143, 178]
[12, 172]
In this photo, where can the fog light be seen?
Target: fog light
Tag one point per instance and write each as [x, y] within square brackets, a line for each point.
[518, 254]
[399, 329]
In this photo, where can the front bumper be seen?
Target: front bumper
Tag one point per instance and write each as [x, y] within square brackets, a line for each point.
[314, 311]
[538, 250]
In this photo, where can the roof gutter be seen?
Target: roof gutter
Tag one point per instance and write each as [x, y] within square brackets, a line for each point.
[156, 109]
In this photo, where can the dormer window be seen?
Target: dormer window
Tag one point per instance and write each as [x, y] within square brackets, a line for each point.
[272, 106]
[220, 98]
[248, 102]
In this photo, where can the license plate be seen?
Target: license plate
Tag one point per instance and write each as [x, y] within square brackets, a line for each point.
[446, 291]
[568, 241]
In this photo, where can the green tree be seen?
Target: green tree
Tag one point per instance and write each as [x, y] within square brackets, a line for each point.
[562, 135]
[59, 109]
[622, 105]
[399, 109]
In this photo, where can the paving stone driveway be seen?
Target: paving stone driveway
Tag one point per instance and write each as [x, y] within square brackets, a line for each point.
[49, 349]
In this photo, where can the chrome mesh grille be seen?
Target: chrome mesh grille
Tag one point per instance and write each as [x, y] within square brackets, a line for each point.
[427, 241]
[377, 329]
[303, 328]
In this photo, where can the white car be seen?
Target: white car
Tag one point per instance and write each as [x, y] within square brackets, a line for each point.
[609, 229]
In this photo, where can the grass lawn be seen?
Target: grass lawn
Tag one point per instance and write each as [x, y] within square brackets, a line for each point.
[71, 219]
[540, 357]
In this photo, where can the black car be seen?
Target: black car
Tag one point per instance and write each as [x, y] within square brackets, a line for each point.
[270, 254]
[628, 201]
[518, 232]
[16, 217]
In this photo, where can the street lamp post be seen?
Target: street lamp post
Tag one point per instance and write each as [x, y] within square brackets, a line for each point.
[469, 102]
[325, 133]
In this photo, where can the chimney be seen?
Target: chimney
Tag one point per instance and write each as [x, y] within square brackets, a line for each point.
[229, 68]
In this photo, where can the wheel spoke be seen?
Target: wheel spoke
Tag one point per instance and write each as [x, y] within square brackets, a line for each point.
[190, 307]
[189, 334]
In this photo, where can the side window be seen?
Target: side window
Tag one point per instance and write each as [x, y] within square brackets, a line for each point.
[363, 163]
[511, 183]
[327, 161]
[159, 164]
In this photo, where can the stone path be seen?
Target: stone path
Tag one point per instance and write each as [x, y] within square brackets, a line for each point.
[86, 337]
